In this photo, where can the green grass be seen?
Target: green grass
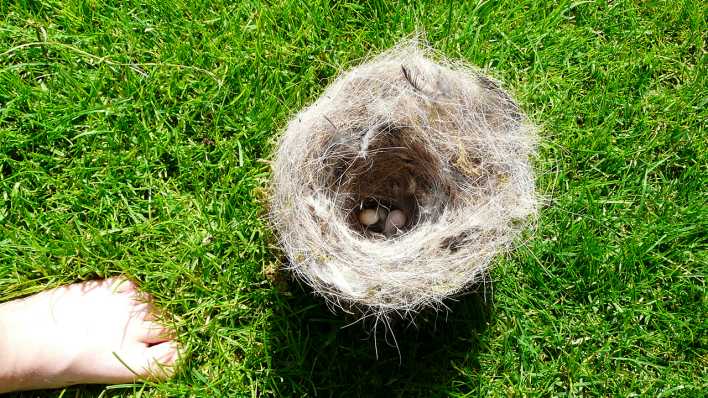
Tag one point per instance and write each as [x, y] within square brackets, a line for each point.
[134, 139]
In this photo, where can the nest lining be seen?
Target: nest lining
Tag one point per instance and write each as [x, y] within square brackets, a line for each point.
[438, 141]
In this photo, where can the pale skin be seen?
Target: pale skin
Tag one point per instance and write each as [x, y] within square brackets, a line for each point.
[96, 332]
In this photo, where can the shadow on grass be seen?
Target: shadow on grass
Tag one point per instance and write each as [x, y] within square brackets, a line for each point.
[314, 353]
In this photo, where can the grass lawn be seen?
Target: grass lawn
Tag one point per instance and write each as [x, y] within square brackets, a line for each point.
[134, 139]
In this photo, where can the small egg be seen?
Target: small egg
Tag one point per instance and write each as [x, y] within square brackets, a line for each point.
[368, 217]
[396, 220]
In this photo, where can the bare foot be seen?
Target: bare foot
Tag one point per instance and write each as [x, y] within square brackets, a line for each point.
[97, 332]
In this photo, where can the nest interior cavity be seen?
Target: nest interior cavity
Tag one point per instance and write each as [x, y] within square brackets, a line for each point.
[407, 131]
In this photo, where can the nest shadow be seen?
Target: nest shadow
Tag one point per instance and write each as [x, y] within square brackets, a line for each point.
[316, 352]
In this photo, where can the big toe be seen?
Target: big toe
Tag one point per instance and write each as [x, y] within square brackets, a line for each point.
[159, 360]
[120, 284]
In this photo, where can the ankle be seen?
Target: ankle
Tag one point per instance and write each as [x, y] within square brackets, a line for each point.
[24, 363]
[10, 376]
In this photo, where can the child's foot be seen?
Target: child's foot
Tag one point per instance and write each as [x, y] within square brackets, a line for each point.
[92, 332]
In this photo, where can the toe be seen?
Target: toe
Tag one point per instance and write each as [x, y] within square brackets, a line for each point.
[144, 363]
[160, 360]
[150, 332]
[121, 284]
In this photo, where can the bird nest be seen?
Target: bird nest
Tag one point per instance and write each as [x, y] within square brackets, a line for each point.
[400, 184]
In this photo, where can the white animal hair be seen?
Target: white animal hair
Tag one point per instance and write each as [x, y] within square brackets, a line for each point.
[440, 141]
